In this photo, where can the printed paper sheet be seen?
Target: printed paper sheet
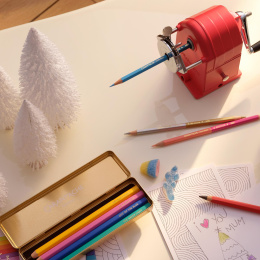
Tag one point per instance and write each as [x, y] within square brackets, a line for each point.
[172, 218]
[113, 248]
[227, 233]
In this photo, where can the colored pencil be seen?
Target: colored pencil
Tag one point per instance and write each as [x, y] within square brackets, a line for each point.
[70, 231]
[4, 242]
[108, 231]
[206, 131]
[14, 258]
[151, 65]
[8, 250]
[9, 255]
[73, 238]
[5, 246]
[94, 233]
[232, 203]
[185, 125]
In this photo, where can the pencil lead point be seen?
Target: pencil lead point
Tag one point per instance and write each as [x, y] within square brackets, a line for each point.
[160, 144]
[112, 85]
[131, 133]
[203, 197]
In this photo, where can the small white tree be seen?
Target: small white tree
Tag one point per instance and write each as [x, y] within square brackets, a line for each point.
[3, 191]
[47, 82]
[9, 101]
[34, 139]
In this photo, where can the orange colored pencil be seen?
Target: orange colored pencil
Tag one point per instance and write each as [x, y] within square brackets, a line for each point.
[6, 246]
[232, 203]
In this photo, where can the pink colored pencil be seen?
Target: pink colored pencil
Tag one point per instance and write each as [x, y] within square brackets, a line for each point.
[53, 251]
[206, 131]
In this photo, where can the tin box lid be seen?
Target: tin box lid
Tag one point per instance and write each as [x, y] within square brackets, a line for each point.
[65, 197]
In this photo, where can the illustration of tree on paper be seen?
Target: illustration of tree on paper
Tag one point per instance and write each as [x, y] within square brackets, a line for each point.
[232, 250]
[47, 82]
[231, 234]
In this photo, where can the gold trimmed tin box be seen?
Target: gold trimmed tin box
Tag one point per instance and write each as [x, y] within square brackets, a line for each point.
[52, 211]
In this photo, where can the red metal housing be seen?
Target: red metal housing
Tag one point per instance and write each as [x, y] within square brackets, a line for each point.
[215, 34]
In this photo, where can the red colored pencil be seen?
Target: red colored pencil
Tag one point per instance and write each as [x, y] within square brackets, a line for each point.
[232, 203]
[206, 131]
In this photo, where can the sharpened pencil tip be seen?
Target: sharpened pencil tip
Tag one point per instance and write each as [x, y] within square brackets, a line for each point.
[131, 133]
[117, 82]
[160, 144]
[203, 197]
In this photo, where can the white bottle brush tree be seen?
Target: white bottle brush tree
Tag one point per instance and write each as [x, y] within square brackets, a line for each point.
[9, 101]
[47, 82]
[34, 139]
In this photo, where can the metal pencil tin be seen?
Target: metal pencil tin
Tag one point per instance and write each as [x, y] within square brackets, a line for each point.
[65, 201]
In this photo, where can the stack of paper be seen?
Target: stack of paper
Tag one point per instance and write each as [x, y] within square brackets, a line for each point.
[197, 229]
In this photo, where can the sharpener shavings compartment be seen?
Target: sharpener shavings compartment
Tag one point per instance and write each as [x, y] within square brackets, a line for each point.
[68, 201]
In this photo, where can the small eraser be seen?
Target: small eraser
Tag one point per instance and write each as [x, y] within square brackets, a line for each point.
[151, 168]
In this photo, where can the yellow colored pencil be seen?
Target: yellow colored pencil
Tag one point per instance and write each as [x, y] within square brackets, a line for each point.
[4, 242]
[70, 231]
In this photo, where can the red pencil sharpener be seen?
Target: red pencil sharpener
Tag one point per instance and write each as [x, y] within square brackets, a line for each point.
[214, 38]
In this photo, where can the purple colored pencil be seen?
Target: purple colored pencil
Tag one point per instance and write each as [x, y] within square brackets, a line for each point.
[14, 258]
[70, 240]
[10, 255]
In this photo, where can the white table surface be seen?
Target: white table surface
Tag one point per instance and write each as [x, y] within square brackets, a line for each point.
[104, 42]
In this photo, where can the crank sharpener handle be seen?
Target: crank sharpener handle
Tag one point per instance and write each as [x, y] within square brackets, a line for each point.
[245, 35]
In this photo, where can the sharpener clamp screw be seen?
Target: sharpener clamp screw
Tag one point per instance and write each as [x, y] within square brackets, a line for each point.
[224, 76]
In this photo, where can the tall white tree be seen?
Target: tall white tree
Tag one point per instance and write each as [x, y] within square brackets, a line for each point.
[34, 139]
[47, 82]
[9, 101]
[3, 191]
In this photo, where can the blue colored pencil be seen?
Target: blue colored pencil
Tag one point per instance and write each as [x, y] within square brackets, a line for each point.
[108, 231]
[91, 235]
[151, 65]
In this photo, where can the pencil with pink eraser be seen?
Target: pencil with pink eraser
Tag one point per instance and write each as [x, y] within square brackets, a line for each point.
[70, 240]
